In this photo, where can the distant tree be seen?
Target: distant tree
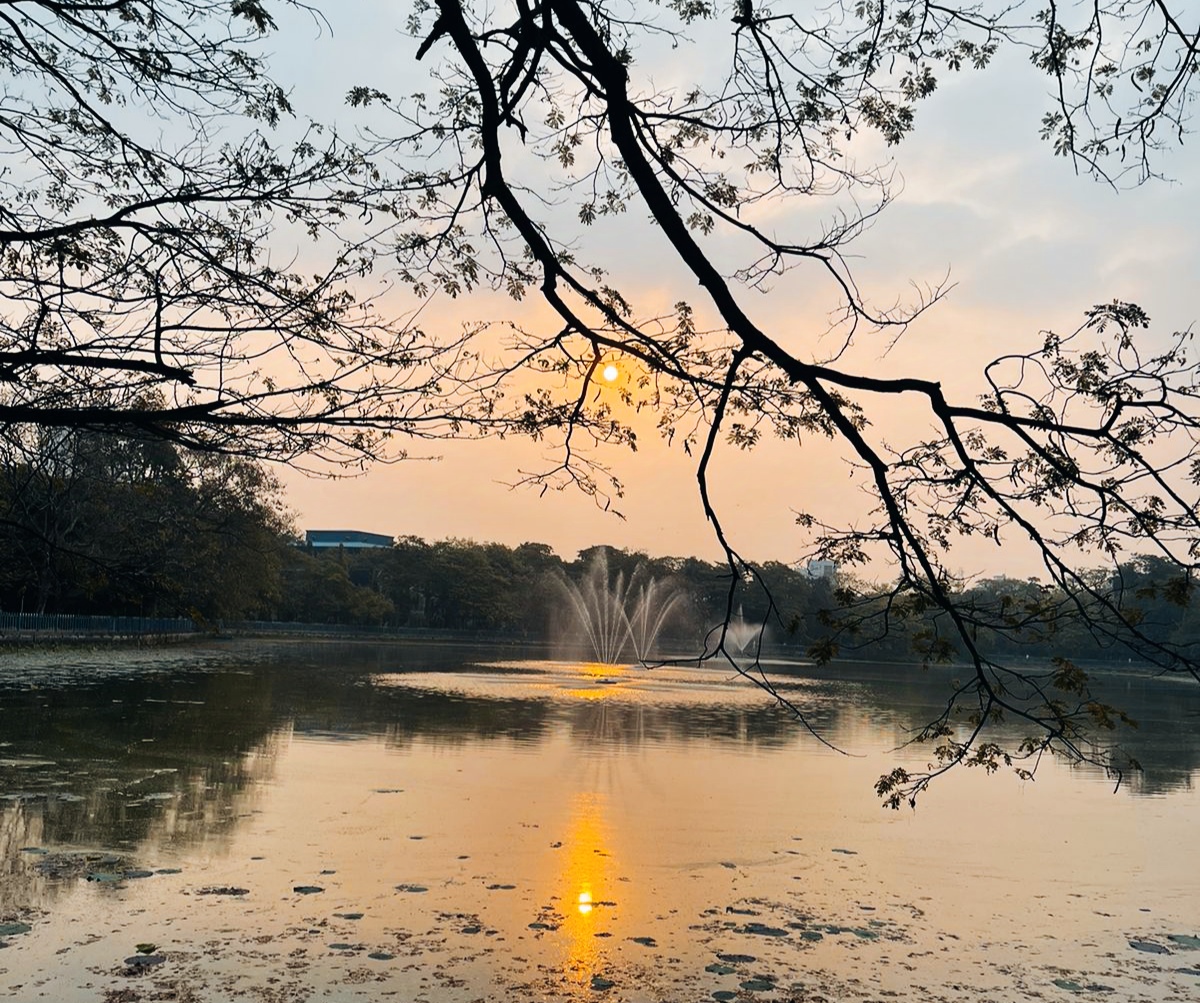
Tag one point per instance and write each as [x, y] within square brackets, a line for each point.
[99, 523]
[316, 588]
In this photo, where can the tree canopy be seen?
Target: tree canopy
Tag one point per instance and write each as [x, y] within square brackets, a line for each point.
[141, 289]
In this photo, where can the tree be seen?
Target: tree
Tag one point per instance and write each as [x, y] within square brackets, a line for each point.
[90, 521]
[180, 255]
[546, 118]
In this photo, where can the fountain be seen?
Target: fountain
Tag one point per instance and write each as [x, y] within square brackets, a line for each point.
[740, 634]
[619, 616]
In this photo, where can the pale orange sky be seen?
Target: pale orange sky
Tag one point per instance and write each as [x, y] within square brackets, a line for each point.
[1028, 244]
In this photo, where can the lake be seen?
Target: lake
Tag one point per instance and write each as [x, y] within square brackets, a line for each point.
[337, 822]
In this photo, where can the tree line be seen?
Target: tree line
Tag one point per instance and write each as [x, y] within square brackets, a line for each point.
[120, 525]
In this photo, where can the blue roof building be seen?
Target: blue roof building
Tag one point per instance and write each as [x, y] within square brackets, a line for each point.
[350, 539]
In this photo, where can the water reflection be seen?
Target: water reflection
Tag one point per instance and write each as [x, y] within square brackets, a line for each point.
[547, 822]
[586, 883]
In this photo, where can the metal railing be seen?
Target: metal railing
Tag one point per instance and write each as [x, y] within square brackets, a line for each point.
[69, 624]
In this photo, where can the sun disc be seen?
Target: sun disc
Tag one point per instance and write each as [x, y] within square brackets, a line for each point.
[610, 372]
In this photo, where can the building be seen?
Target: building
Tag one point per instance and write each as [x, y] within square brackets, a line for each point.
[348, 539]
[822, 569]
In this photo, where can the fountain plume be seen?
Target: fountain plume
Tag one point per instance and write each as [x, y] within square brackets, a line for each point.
[618, 616]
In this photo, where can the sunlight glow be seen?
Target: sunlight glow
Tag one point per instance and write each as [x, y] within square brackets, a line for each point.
[611, 372]
[585, 902]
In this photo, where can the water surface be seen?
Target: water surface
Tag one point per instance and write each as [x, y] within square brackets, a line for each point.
[334, 822]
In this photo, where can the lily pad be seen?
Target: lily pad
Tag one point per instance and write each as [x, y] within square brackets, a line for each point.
[348, 915]
[645, 941]
[12, 929]
[34, 849]
[308, 889]
[412, 889]
[539, 925]
[105, 877]
[1069, 984]
[471, 929]
[1185, 940]
[738, 959]
[1148, 946]
[724, 995]
[757, 985]
[862, 934]
[716, 968]
[500, 888]
[762, 930]
[600, 983]
[813, 935]
[169, 870]
[135, 875]
[380, 956]
[1188, 971]
[341, 947]
[145, 960]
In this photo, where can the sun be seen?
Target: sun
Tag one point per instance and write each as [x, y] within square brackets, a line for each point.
[611, 372]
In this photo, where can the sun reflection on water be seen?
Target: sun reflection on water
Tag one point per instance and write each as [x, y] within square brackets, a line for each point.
[585, 880]
[601, 681]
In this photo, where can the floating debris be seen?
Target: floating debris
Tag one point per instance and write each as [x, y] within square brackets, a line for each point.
[223, 890]
[848, 853]
[412, 889]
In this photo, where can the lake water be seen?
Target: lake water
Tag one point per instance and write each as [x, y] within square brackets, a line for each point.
[284, 823]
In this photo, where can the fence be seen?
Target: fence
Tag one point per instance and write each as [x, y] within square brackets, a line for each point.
[70, 625]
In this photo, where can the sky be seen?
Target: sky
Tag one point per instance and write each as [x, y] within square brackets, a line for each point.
[1026, 243]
